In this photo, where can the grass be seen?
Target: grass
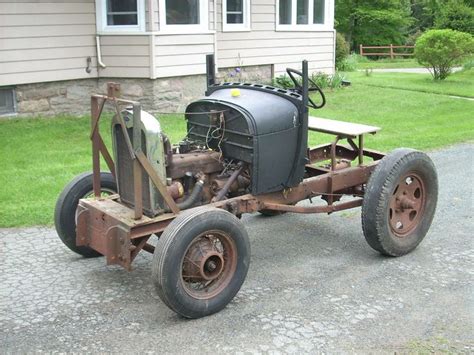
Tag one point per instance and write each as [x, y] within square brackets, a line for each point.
[458, 84]
[39, 156]
[388, 64]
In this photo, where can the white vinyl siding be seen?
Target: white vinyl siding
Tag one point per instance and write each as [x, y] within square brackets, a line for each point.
[46, 41]
[264, 45]
[125, 56]
[177, 55]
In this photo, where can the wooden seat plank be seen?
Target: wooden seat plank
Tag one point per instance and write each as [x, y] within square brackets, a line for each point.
[339, 128]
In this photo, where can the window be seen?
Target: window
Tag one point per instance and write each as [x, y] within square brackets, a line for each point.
[120, 15]
[235, 15]
[301, 15]
[183, 15]
[7, 101]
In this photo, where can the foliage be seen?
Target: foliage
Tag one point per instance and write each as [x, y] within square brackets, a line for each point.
[342, 50]
[324, 81]
[469, 64]
[456, 15]
[349, 63]
[283, 81]
[373, 22]
[441, 50]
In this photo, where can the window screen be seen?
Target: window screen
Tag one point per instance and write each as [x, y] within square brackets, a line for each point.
[235, 11]
[302, 11]
[318, 12]
[285, 12]
[7, 101]
[182, 12]
[122, 13]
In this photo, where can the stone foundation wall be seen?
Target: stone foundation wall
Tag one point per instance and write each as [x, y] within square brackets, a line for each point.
[159, 95]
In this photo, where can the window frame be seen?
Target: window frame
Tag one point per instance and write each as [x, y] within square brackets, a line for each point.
[328, 24]
[237, 27]
[202, 27]
[101, 16]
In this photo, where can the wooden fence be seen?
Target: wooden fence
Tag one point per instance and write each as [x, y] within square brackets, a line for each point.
[391, 53]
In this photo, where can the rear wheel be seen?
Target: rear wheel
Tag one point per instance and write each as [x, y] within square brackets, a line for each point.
[201, 261]
[65, 211]
[400, 202]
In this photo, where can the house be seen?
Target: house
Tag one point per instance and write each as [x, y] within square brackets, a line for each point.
[55, 53]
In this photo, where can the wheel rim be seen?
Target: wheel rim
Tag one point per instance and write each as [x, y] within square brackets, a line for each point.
[208, 264]
[407, 205]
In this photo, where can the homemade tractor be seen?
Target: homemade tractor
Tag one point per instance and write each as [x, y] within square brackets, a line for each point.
[245, 151]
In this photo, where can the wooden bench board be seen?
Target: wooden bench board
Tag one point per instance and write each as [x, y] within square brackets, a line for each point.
[339, 128]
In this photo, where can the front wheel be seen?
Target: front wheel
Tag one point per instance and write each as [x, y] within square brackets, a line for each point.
[65, 211]
[201, 261]
[400, 202]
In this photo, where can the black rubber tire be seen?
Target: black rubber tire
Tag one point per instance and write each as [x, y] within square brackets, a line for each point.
[380, 188]
[66, 205]
[170, 251]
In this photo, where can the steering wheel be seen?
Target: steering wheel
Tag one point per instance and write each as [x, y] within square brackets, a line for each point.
[299, 88]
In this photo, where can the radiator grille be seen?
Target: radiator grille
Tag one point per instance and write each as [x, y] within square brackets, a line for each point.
[124, 167]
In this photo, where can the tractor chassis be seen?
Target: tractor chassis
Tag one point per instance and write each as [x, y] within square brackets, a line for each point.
[120, 232]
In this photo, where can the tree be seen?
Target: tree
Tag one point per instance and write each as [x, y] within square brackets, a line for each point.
[456, 15]
[441, 50]
[373, 22]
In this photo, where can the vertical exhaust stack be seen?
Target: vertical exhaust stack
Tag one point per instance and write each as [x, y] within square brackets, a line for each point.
[210, 71]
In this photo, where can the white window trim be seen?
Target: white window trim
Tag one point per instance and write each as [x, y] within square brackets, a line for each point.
[101, 17]
[202, 27]
[311, 27]
[236, 27]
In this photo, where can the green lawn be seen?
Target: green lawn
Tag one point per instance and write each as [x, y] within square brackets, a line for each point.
[39, 156]
[460, 83]
[388, 64]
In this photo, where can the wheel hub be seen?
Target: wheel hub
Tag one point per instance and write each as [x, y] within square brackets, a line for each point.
[203, 262]
[407, 205]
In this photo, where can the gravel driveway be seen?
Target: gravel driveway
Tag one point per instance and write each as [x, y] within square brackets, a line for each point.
[313, 285]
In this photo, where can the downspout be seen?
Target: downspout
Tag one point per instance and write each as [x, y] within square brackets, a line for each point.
[99, 53]
[215, 38]
[151, 42]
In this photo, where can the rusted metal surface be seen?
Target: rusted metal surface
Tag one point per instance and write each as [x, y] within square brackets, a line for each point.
[195, 162]
[233, 178]
[209, 264]
[407, 205]
[120, 232]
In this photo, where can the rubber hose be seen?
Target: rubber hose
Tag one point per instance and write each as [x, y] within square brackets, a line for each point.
[192, 198]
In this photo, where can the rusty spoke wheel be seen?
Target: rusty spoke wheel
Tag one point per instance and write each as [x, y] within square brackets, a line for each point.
[65, 212]
[400, 202]
[201, 261]
[407, 205]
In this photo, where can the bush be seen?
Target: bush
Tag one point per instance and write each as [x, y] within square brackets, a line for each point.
[342, 49]
[349, 63]
[323, 80]
[441, 50]
[283, 81]
[456, 15]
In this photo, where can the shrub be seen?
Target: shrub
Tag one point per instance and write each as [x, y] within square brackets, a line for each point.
[349, 63]
[283, 81]
[342, 50]
[441, 50]
[456, 15]
[323, 80]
